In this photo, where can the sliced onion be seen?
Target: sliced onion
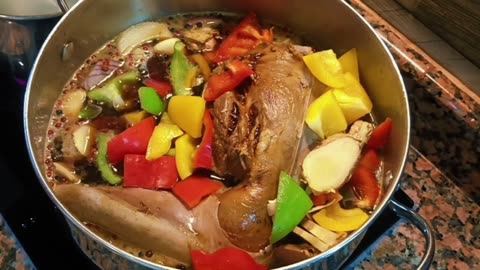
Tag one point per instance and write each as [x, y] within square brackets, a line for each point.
[310, 238]
[165, 46]
[141, 33]
[102, 70]
[66, 171]
[327, 236]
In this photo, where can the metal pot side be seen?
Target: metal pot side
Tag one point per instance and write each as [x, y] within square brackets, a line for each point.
[329, 24]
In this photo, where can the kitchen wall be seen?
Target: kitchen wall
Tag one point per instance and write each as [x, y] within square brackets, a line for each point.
[455, 21]
[434, 44]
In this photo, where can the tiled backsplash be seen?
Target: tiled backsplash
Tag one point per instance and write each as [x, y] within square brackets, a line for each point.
[430, 42]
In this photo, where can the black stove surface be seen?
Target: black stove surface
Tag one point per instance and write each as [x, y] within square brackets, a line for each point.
[39, 225]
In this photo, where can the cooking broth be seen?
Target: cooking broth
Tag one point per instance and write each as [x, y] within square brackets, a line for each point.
[77, 119]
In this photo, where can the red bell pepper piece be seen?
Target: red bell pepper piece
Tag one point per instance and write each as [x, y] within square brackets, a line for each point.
[246, 36]
[225, 258]
[370, 160]
[204, 157]
[162, 88]
[324, 198]
[221, 83]
[134, 140]
[193, 189]
[380, 135]
[139, 172]
[365, 186]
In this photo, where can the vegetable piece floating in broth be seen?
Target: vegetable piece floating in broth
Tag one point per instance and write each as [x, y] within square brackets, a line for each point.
[142, 173]
[226, 258]
[187, 113]
[203, 156]
[102, 161]
[244, 38]
[132, 141]
[182, 71]
[326, 68]
[337, 219]
[219, 84]
[292, 206]
[349, 63]
[150, 101]
[111, 92]
[141, 33]
[193, 189]
[184, 154]
[325, 117]
[161, 140]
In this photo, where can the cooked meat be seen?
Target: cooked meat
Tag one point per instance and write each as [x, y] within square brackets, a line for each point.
[257, 133]
[154, 220]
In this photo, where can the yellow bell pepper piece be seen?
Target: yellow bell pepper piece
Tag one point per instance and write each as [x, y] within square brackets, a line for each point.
[184, 152]
[325, 66]
[353, 99]
[203, 64]
[161, 140]
[349, 63]
[134, 118]
[171, 152]
[187, 113]
[165, 118]
[325, 117]
[337, 219]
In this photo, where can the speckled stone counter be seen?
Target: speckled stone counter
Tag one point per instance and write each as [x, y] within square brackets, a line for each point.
[442, 172]
[12, 255]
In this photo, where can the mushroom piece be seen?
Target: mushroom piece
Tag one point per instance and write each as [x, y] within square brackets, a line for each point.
[329, 166]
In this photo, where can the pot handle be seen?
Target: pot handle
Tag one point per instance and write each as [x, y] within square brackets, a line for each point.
[423, 226]
[63, 6]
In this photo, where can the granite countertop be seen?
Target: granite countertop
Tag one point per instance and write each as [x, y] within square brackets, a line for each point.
[442, 171]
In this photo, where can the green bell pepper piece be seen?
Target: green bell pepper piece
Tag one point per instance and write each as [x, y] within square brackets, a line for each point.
[293, 204]
[102, 160]
[182, 71]
[111, 92]
[150, 101]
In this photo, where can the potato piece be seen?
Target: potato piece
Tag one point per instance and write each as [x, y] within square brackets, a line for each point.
[73, 103]
[84, 138]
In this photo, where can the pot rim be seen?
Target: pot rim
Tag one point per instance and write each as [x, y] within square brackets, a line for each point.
[30, 18]
[388, 194]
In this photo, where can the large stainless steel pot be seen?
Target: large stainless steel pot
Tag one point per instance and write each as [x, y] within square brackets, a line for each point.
[24, 25]
[329, 24]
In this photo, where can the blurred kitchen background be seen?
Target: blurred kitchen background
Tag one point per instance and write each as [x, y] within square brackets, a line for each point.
[448, 30]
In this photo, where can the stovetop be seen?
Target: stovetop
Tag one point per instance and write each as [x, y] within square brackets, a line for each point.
[39, 225]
